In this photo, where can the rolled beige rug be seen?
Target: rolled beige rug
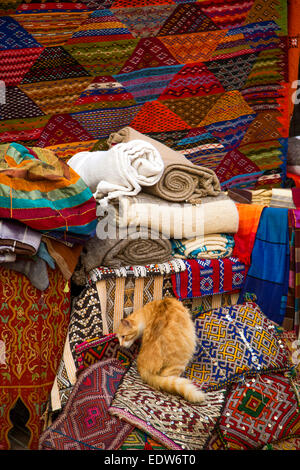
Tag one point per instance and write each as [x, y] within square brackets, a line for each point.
[129, 250]
[181, 179]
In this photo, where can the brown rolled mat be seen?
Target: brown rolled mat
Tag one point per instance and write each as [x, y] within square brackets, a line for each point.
[126, 251]
[182, 180]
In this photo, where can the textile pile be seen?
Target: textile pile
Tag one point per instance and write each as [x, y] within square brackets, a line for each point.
[244, 365]
[208, 79]
[144, 150]
[146, 203]
[46, 210]
[46, 214]
[113, 293]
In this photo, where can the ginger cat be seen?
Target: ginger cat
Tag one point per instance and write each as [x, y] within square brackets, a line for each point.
[168, 342]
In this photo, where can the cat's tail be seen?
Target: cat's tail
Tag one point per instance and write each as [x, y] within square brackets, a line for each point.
[175, 385]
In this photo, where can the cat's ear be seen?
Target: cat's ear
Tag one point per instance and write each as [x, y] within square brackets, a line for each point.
[126, 323]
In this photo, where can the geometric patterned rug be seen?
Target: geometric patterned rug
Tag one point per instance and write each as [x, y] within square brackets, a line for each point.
[257, 413]
[233, 343]
[85, 424]
[208, 79]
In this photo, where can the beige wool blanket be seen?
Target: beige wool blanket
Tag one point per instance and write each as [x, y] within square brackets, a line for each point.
[135, 247]
[217, 214]
[181, 179]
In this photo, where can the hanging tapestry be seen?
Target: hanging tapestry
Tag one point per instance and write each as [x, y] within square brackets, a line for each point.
[33, 328]
[208, 79]
[85, 423]
[268, 276]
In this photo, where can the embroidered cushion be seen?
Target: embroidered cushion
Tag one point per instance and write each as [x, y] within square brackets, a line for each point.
[258, 411]
[168, 419]
[85, 423]
[106, 347]
[235, 342]
[139, 440]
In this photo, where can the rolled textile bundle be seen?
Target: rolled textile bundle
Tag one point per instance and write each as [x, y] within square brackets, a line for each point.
[176, 220]
[181, 180]
[122, 170]
[140, 247]
[214, 246]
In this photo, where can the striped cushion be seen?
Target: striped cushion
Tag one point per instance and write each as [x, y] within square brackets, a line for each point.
[43, 192]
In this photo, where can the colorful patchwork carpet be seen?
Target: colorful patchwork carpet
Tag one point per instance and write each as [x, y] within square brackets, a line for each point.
[209, 79]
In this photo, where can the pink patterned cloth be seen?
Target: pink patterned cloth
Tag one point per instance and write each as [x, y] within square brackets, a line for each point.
[85, 423]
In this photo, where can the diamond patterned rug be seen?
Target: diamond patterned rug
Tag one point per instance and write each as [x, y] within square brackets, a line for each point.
[208, 78]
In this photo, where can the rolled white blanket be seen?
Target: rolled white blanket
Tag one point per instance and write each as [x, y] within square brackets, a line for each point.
[122, 170]
[216, 214]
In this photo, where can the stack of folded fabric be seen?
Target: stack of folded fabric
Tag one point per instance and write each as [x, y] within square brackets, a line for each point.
[153, 204]
[47, 213]
[282, 197]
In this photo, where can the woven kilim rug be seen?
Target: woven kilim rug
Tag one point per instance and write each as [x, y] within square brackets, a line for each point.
[85, 423]
[207, 78]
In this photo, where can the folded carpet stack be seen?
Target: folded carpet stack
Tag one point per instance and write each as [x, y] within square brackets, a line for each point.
[287, 198]
[177, 220]
[251, 196]
[148, 196]
[212, 246]
[282, 197]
